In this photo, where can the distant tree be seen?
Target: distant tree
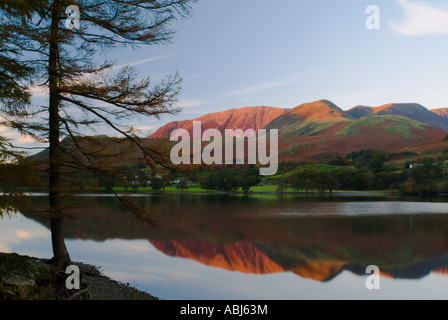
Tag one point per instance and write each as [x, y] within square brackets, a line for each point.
[337, 161]
[379, 183]
[345, 178]
[157, 182]
[282, 186]
[86, 94]
[445, 187]
[360, 181]
[207, 181]
[249, 178]
[328, 181]
[182, 185]
[427, 188]
[228, 179]
[408, 187]
[308, 184]
[387, 178]
[143, 179]
[372, 160]
[296, 182]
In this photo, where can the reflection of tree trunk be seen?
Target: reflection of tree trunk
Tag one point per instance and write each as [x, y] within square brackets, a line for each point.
[60, 252]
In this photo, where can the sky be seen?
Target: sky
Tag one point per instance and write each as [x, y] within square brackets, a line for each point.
[237, 53]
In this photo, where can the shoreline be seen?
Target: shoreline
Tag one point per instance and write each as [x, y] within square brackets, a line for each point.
[341, 193]
[309, 193]
[25, 277]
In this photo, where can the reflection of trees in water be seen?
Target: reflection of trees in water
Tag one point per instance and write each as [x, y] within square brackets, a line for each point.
[13, 204]
[211, 229]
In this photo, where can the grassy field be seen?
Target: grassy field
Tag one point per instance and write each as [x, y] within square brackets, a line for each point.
[316, 167]
[400, 125]
[268, 190]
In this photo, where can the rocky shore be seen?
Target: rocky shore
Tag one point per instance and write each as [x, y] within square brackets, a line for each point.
[30, 278]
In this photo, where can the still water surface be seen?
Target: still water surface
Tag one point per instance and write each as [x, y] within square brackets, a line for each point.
[255, 248]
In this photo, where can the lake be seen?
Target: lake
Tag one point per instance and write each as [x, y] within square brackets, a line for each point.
[256, 248]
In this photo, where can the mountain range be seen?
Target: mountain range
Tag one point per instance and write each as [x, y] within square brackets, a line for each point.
[320, 130]
[244, 118]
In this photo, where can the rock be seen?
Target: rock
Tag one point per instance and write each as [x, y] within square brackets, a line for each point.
[29, 278]
[25, 278]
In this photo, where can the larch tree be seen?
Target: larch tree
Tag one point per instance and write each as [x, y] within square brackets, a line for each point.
[14, 94]
[14, 97]
[63, 44]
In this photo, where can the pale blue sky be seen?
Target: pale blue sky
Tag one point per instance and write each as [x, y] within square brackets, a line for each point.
[236, 53]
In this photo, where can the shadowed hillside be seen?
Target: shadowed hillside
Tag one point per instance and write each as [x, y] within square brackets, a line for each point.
[412, 111]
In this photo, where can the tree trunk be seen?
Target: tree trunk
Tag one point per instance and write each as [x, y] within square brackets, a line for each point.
[61, 256]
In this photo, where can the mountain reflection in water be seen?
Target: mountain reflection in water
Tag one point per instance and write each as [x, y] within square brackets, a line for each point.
[313, 238]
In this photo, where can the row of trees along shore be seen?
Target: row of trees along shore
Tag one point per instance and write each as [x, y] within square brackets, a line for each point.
[364, 170]
[372, 170]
